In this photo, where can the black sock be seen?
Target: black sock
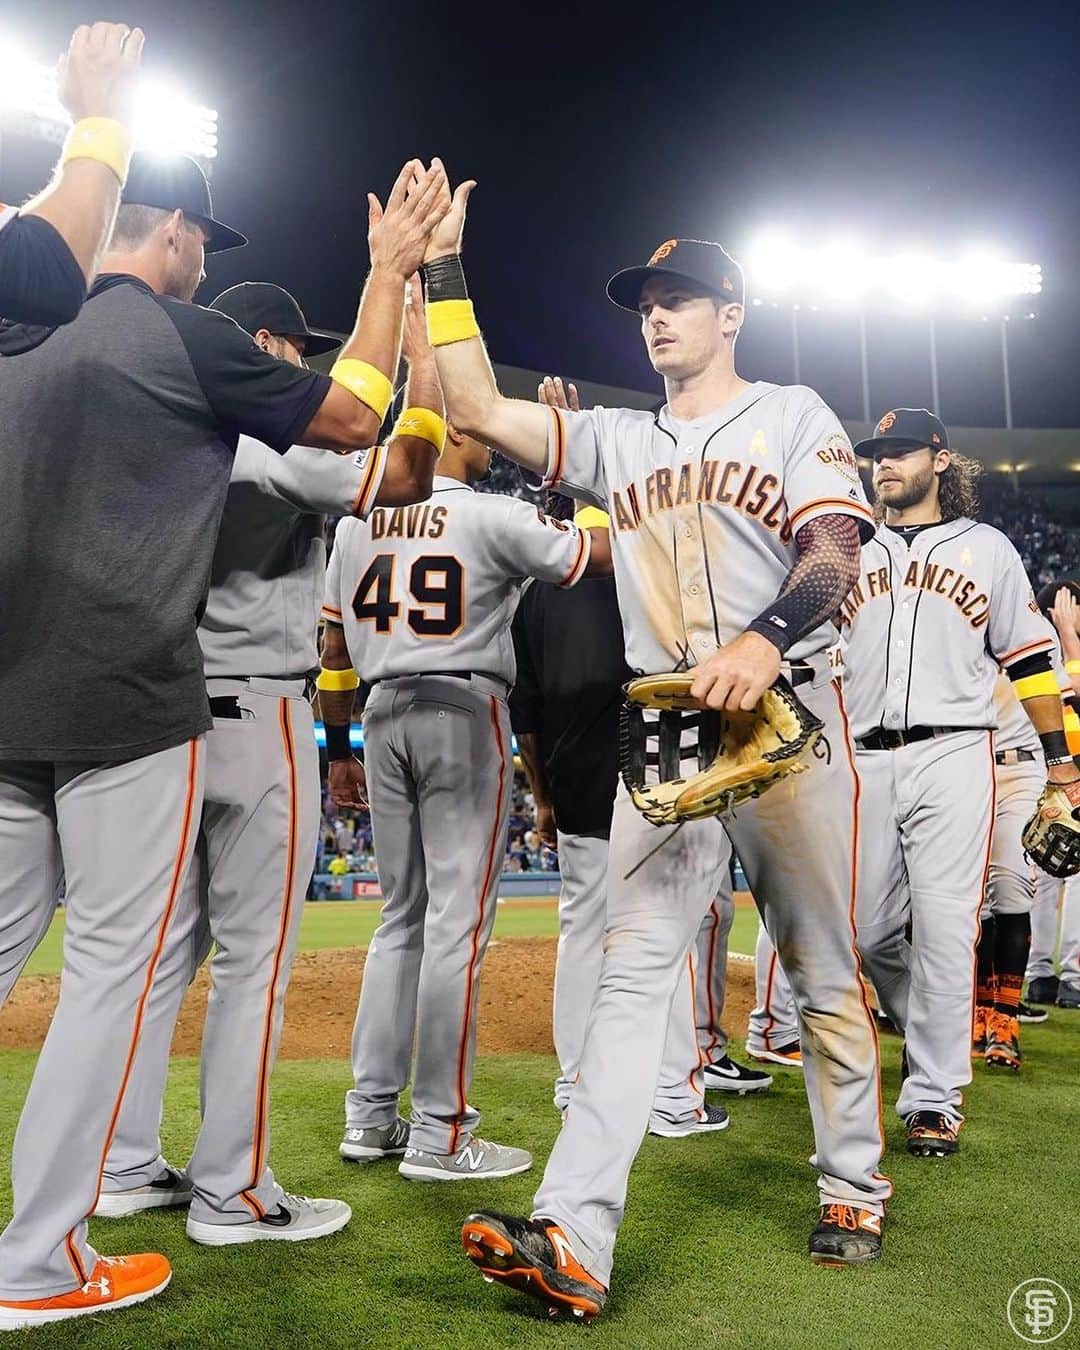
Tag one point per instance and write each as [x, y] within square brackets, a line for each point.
[1012, 938]
[984, 964]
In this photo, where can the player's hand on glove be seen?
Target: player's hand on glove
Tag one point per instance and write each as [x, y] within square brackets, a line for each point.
[737, 675]
[347, 782]
[545, 824]
[398, 234]
[447, 234]
[97, 75]
[552, 393]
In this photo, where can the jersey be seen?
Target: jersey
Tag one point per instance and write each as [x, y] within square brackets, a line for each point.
[269, 568]
[928, 625]
[434, 587]
[704, 513]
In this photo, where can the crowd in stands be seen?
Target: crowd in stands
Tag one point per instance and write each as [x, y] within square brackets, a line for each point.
[1044, 524]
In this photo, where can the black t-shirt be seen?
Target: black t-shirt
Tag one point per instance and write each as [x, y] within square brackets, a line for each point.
[117, 435]
[570, 671]
[40, 278]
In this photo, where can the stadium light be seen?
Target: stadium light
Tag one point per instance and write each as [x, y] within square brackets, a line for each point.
[165, 120]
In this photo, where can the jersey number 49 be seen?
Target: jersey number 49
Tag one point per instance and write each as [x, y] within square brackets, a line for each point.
[436, 583]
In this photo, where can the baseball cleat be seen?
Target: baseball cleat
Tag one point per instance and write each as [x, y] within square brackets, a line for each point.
[380, 1141]
[727, 1076]
[884, 1023]
[296, 1219]
[115, 1282]
[1068, 997]
[846, 1235]
[715, 1118]
[535, 1257]
[1026, 1013]
[479, 1159]
[788, 1056]
[931, 1135]
[1003, 1041]
[1043, 989]
[978, 1030]
[169, 1191]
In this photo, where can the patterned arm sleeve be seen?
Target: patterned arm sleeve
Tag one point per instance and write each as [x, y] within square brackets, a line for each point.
[826, 568]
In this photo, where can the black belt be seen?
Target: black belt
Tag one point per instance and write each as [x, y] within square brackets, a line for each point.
[1015, 757]
[881, 738]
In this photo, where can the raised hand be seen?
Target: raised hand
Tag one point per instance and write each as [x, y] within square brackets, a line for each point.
[551, 392]
[399, 233]
[415, 345]
[97, 75]
[447, 234]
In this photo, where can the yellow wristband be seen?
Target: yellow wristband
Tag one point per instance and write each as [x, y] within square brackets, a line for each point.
[451, 321]
[1072, 667]
[103, 139]
[337, 681]
[1037, 686]
[425, 424]
[592, 517]
[364, 382]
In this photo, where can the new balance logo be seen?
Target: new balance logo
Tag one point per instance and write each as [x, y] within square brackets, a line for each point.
[563, 1251]
[470, 1157]
[871, 1222]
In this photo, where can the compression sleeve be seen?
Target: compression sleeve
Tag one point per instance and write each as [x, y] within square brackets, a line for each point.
[826, 568]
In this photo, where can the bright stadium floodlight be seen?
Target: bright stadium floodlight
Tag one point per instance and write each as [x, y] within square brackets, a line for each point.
[165, 120]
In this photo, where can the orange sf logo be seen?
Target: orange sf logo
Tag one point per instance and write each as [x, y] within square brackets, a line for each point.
[662, 252]
[885, 423]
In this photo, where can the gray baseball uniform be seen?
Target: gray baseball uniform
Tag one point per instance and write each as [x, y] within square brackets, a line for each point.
[703, 515]
[1020, 774]
[426, 595]
[926, 628]
[774, 1023]
[259, 825]
[711, 959]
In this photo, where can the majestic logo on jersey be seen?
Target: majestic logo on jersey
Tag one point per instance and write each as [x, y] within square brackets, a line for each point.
[408, 522]
[742, 487]
[838, 453]
[662, 252]
[885, 424]
[933, 578]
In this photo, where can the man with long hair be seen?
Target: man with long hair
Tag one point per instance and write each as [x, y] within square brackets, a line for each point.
[942, 604]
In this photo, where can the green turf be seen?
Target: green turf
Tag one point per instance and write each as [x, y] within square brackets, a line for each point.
[350, 923]
[712, 1252]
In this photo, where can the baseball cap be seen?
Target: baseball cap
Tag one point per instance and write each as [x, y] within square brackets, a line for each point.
[905, 429]
[684, 260]
[175, 182]
[261, 304]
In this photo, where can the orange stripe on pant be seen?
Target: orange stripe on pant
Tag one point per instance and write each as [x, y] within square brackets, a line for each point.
[766, 1034]
[710, 966]
[474, 953]
[151, 970]
[695, 1080]
[262, 1089]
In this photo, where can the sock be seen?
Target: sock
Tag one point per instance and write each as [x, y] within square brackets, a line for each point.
[984, 964]
[1012, 938]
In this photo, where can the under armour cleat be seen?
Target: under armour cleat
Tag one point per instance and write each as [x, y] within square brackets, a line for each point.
[931, 1135]
[1003, 1041]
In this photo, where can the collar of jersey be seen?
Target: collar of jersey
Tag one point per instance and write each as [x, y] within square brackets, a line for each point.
[726, 412]
[440, 483]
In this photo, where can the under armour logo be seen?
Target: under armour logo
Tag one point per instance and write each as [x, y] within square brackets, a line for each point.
[102, 1286]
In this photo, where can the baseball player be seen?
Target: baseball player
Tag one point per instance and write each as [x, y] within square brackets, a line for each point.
[737, 515]
[262, 803]
[1055, 901]
[772, 1035]
[942, 602]
[117, 435]
[419, 603]
[50, 248]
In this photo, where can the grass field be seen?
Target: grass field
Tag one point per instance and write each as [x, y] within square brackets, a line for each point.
[350, 923]
[711, 1252]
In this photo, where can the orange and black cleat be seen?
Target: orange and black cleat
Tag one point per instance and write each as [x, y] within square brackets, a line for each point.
[931, 1135]
[979, 1030]
[1003, 1041]
[535, 1257]
[846, 1235]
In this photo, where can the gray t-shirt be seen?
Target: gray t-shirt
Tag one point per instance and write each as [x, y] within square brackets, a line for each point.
[117, 436]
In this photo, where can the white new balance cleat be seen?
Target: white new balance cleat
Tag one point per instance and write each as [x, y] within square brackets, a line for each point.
[479, 1159]
[380, 1141]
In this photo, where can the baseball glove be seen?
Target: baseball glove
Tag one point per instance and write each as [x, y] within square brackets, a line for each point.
[1052, 835]
[739, 754]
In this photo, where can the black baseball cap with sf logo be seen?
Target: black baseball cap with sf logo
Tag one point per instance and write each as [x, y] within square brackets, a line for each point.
[694, 260]
[904, 429]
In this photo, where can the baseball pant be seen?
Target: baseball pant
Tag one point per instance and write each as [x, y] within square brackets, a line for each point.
[773, 1022]
[439, 775]
[582, 913]
[927, 860]
[1056, 906]
[127, 832]
[1010, 883]
[260, 822]
[30, 847]
[797, 844]
[711, 958]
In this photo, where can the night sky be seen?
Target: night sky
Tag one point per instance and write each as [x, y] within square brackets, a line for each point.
[595, 135]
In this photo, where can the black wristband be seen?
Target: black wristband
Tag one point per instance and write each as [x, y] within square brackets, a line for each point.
[338, 745]
[1055, 747]
[771, 630]
[444, 278]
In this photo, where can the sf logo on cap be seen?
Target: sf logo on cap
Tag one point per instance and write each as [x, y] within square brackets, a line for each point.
[885, 423]
[662, 252]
